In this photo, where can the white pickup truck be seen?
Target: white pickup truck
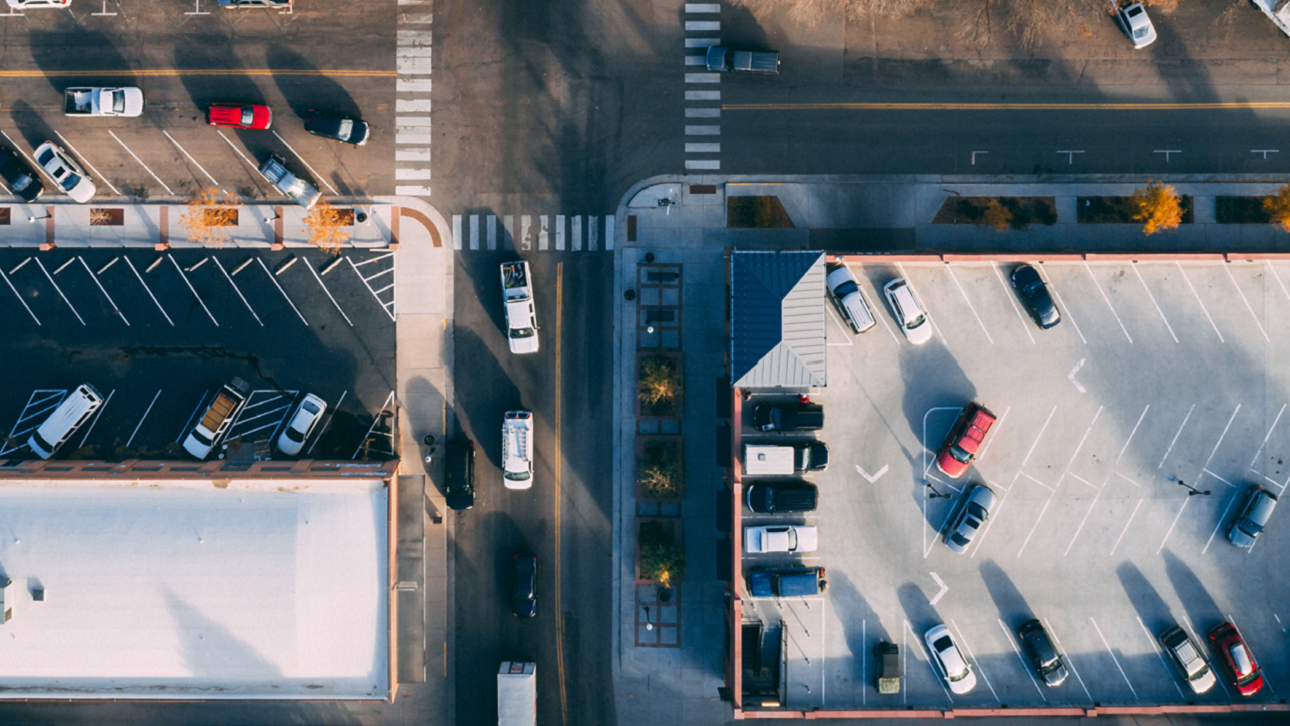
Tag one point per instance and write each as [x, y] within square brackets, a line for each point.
[300, 191]
[1276, 10]
[126, 102]
[517, 294]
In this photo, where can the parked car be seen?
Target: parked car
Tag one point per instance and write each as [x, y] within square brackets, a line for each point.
[233, 4]
[296, 188]
[1189, 660]
[301, 424]
[785, 459]
[348, 130]
[124, 102]
[1033, 292]
[1236, 658]
[72, 413]
[724, 60]
[908, 311]
[18, 175]
[517, 450]
[785, 538]
[1135, 23]
[805, 416]
[28, 4]
[786, 582]
[782, 497]
[1247, 525]
[953, 667]
[239, 115]
[1039, 647]
[65, 172]
[459, 479]
[965, 440]
[524, 601]
[846, 293]
[887, 680]
[977, 504]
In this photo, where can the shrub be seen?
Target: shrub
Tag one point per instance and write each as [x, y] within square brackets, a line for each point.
[1157, 207]
[996, 216]
[1278, 208]
[662, 471]
[662, 557]
[660, 385]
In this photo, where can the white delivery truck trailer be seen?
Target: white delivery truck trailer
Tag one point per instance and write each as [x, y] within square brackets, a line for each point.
[517, 694]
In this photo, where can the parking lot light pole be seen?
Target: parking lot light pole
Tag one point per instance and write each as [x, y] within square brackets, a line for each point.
[932, 491]
[32, 219]
[1191, 490]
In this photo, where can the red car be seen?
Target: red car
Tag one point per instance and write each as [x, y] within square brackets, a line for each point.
[1236, 658]
[239, 115]
[965, 440]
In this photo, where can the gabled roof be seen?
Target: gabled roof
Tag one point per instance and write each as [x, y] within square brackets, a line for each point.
[777, 320]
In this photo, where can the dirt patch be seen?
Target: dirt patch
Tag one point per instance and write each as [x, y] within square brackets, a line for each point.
[1241, 210]
[1019, 212]
[756, 213]
[1118, 210]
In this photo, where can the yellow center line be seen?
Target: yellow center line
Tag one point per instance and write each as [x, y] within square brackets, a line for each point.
[559, 612]
[199, 72]
[1110, 106]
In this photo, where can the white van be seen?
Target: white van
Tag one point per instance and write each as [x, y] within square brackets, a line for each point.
[760, 460]
[75, 410]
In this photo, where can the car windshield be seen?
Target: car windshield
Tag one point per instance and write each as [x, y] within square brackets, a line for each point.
[45, 157]
[21, 182]
[976, 510]
[1140, 33]
[295, 435]
[845, 289]
[517, 475]
[958, 453]
[118, 102]
[248, 116]
[70, 181]
[916, 322]
[960, 540]
[523, 332]
[792, 539]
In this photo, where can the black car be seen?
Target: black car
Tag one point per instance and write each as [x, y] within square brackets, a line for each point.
[348, 130]
[1033, 292]
[525, 600]
[18, 175]
[782, 497]
[459, 483]
[1042, 654]
[801, 417]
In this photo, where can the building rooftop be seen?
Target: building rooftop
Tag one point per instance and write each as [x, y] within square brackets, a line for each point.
[778, 320]
[195, 589]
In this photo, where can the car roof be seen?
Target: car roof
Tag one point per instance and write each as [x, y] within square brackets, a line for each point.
[1264, 503]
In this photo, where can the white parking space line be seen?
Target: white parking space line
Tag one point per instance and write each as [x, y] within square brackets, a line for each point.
[998, 509]
[1277, 277]
[1031, 478]
[190, 158]
[1221, 520]
[1112, 653]
[44, 404]
[1134, 265]
[60, 291]
[1035, 526]
[1081, 524]
[1024, 666]
[237, 290]
[145, 416]
[1216, 476]
[1066, 314]
[1133, 514]
[329, 295]
[367, 281]
[15, 292]
[1134, 483]
[1170, 531]
[180, 270]
[1271, 428]
[331, 414]
[846, 332]
[145, 287]
[1241, 292]
[188, 424]
[115, 308]
[1084, 481]
[1066, 657]
[1168, 673]
[929, 462]
[1131, 434]
[1035, 443]
[1200, 302]
[274, 280]
[968, 300]
[97, 415]
[968, 648]
[310, 168]
[1108, 302]
[935, 673]
[375, 420]
[881, 318]
[1221, 437]
[919, 298]
[1175, 439]
[98, 176]
[238, 151]
[1012, 298]
[1266, 682]
[145, 166]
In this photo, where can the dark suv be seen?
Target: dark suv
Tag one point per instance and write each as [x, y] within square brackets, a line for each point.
[348, 130]
[782, 497]
[18, 175]
[459, 481]
[804, 416]
[1042, 653]
[524, 599]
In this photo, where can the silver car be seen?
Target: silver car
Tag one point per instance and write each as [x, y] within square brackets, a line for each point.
[842, 284]
[949, 660]
[977, 504]
[909, 313]
[1135, 23]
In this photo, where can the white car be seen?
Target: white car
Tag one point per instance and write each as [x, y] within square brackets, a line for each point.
[842, 284]
[66, 173]
[25, 4]
[1134, 22]
[301, 424]
[949, 660]
[517, 450]
[759, 540]
[909, 313]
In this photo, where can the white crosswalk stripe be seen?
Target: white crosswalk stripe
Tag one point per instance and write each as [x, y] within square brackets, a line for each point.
[696, 48]
[491, 232]
[412, 106]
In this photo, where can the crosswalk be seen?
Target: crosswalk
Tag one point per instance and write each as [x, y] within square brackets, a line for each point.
[704, 101]
[528, 232]
[412, 131]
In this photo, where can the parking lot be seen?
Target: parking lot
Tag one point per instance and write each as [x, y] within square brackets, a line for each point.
[1162, 379]
[158, 333]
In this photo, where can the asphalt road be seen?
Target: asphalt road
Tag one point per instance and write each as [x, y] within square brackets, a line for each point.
[565, 519]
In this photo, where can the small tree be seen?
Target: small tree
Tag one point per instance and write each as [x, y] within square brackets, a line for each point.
[662, 558]
[326, 228]
[660, 385]
[206, 216]
[996, 216]
[1157, 207]
[662, 474]
[1278, 207]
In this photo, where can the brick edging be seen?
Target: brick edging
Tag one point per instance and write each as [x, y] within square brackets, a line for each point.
[1062, 257]
[948, 713]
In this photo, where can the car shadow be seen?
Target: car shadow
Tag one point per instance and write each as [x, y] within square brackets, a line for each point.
[49, 51]
[843, 593]
[308, 92]
[481, 406]
[31, 125]
[1152, 610]
[1008, 601]
[1201, 609]
[230, 87]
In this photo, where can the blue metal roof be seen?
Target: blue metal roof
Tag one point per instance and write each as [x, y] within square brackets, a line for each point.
[777, 320]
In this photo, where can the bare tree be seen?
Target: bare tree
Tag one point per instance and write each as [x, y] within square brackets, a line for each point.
[206, 216]
[326, 228]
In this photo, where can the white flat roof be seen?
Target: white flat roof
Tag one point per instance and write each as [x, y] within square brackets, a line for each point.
[177, 589]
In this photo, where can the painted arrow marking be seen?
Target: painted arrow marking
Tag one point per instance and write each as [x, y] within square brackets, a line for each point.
[1075, 370]
[875, 477]
[940, 594]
